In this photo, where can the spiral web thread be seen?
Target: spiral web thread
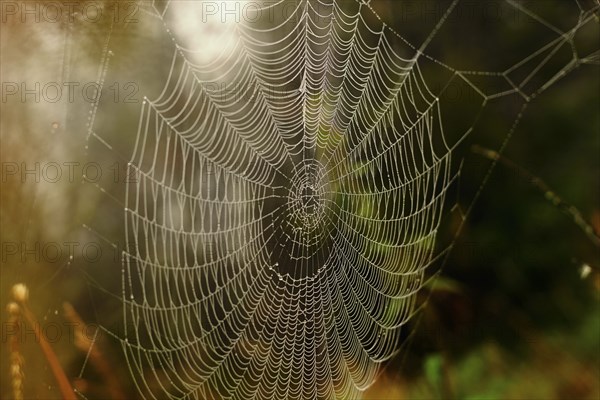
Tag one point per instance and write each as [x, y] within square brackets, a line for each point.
[289, 195]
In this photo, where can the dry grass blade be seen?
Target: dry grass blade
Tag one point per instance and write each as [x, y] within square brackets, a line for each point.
[90, 347]
[20, 294]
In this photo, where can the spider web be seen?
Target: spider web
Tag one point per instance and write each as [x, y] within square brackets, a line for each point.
[291, 187]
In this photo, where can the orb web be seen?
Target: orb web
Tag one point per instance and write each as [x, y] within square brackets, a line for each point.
[290, 190]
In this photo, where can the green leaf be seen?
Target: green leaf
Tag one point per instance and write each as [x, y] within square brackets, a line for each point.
[433, 371]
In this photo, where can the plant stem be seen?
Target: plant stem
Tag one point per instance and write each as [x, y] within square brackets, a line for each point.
[550, 195]
[63, 382]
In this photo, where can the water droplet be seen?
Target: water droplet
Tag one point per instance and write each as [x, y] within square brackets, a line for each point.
[585, 271]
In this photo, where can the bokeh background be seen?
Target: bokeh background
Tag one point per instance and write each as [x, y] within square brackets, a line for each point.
[515, 312]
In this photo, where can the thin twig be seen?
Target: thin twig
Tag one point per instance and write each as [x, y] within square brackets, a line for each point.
[550, 195]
